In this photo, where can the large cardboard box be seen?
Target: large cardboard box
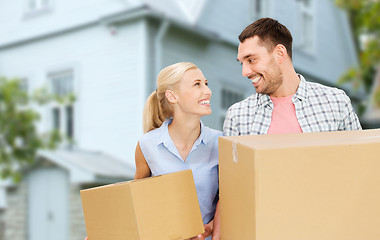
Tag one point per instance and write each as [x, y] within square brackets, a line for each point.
[309, 186]
[158, 208]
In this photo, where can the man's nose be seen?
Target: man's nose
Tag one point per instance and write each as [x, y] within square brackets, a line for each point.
[246, 70]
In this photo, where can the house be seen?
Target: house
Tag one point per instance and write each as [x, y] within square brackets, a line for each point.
[108, 52]
[47, 203]
[371, 116]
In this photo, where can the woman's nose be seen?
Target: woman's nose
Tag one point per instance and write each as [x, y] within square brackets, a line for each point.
[208, 91]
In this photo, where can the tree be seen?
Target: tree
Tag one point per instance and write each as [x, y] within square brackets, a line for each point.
[364, 18]
[19, 138]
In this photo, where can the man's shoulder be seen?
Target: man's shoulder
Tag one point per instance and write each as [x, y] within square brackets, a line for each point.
[320, 90]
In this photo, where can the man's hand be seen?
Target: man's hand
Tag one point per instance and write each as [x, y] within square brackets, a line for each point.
[216, 227]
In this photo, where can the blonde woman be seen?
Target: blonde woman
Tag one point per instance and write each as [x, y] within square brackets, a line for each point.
[175, 139]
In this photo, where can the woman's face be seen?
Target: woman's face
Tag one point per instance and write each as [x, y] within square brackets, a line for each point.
[193, 94]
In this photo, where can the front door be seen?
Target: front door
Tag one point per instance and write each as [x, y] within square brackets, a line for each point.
[48, 204]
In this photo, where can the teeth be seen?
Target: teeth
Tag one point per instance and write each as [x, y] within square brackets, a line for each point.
[206, 102]
[256, 79]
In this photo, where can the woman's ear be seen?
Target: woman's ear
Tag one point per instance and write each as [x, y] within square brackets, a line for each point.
[170, 95]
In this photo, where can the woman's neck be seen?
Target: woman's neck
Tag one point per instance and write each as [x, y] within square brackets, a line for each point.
[184, 132]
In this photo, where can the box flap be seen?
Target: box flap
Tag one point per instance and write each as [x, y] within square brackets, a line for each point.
[308, 139]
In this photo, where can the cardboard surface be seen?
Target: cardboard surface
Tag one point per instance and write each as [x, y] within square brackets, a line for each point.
[158, 208]
[300, 186]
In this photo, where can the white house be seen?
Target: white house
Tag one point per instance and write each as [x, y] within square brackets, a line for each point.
[371, 117]
[108, 53]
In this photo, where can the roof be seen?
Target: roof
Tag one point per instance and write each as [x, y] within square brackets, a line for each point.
[182, 10]
[87, 166]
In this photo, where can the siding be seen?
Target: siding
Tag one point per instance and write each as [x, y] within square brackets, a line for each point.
[334, 50]
[15, 26]
[109, 80]
[226, 18]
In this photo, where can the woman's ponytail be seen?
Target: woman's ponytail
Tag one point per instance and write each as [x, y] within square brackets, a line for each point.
[157, 108]
[152, 116]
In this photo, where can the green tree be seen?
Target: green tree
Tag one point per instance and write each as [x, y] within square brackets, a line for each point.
[19, 138]
[364, 17]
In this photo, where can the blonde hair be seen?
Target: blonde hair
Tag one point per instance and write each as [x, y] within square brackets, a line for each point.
[157, 108]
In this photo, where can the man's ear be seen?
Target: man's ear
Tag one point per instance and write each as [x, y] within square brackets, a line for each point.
[170, 95]
[280, 53]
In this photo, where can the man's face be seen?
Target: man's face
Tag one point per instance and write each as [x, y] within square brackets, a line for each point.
[259, 66]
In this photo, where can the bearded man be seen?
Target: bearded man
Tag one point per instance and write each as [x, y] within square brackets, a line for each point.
[284, 101]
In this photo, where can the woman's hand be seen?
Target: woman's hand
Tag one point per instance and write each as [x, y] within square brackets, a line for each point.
[208, 231]
[199, 237]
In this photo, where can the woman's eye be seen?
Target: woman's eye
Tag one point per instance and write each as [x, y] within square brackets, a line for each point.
[197, 84]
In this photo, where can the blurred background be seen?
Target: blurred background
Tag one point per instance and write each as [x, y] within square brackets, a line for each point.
[106, 55]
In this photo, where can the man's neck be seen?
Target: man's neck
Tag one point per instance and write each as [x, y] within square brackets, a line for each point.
[289, 86]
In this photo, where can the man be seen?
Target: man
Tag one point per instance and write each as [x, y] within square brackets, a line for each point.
[284, 101]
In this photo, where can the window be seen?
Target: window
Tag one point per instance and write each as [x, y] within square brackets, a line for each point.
[258, 8]
[305, 25]
[37, 6]
[62, 84]
[229, 97]
[3, 201]
[24, 86]
[62, 114]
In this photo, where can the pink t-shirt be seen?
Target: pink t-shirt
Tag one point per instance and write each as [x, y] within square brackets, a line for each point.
[284, 119]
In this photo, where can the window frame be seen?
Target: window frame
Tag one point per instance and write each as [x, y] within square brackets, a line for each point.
[223, 109]
[304, 40]
[262, 12]
[41, 7]
[63, 121]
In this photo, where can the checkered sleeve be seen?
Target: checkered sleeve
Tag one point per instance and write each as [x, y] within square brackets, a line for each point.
[350, 119]
[230, 127]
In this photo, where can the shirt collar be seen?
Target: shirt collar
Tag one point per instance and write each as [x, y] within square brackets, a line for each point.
[301, 93]
[163, 135]
[264, 99]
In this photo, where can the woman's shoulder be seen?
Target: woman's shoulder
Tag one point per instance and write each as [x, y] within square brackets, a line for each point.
[213, 133]
[150, 136]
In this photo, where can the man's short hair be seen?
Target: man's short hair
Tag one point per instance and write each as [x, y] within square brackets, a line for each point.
[270, 32]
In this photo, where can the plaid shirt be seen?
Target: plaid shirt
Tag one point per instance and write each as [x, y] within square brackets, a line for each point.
[318, 108]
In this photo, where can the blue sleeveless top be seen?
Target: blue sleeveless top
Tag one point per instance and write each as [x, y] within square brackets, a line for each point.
[163, 157]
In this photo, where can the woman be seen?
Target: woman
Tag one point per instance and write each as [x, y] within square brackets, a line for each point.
[175, 139]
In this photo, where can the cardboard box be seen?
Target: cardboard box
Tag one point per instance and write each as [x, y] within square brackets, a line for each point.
[308, 186]
[158, 208]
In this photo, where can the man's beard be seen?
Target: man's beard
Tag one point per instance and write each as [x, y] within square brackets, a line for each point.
[271, 81]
